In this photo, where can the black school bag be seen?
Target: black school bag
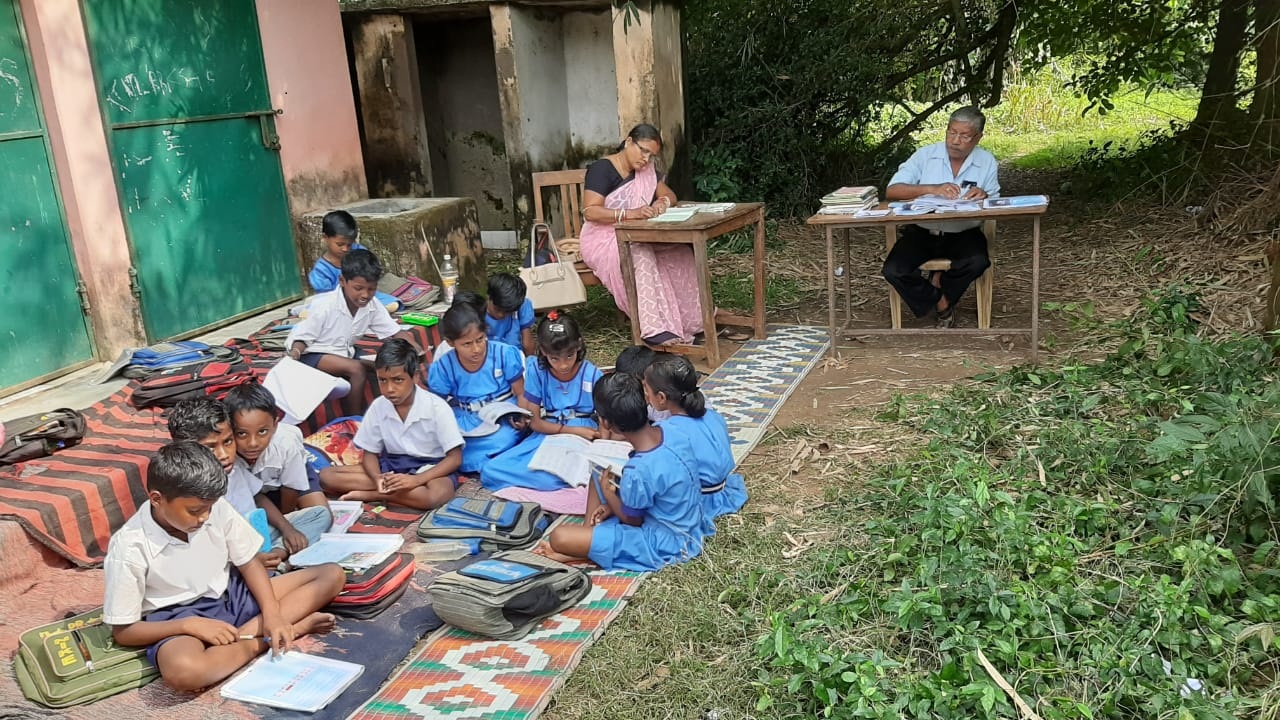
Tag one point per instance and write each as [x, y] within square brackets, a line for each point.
[169, 387]
[36, 436]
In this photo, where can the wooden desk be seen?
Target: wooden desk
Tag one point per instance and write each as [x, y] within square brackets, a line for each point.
[832, 223]
[696, 231]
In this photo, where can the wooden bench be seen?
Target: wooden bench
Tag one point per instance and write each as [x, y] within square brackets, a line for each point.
[570, 184]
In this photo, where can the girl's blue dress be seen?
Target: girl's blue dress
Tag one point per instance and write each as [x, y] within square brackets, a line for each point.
[660, 483]
[723, 491]
[466, 392]
[569, 402]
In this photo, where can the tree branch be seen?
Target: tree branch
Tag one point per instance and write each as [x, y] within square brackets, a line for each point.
[1006, 24]
[918, 120]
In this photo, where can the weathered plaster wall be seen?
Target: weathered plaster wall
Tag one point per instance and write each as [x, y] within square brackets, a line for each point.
[649, 71]
[86, 180]
[540, 72]
[464, 118]
[590, 80]
[306, 61]
[395, 134]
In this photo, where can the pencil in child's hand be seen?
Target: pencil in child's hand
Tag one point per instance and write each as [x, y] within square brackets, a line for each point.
[253, 637]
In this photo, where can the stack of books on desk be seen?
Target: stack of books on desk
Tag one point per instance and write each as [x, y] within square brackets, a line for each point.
[848, 200]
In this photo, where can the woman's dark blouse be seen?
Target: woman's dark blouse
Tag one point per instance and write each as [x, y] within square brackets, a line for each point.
[603, 178]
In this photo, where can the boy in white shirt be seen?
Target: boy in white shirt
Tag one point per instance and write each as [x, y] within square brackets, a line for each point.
[170, 584]
[295, 506]
[205, 421]
[323, 339]
[410, 438]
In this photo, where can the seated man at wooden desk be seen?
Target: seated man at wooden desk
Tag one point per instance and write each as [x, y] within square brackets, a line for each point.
[955, 169]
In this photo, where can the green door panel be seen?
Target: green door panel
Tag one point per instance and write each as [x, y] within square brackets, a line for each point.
[162, 59]
[184, 92]
[42, 328]
[210, 234]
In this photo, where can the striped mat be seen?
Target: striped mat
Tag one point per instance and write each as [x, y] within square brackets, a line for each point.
[459, 675]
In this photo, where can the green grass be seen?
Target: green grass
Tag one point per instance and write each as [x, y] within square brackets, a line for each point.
[1042, 124]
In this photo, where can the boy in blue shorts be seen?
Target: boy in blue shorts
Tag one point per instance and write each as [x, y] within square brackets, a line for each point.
[510, 313]
[171, 585]
[323, 339]
[340, 234]
[410, 438]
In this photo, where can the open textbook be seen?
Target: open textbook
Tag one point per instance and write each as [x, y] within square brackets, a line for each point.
[293, 681]
[354, 551]
[570, 457]
[491, 415]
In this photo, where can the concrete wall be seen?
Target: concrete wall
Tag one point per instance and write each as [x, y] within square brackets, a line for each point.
[395, 135]
[592, 85]
[538, 51]
[463, 116]
[306, 61]
[649, 70]
[60, 59]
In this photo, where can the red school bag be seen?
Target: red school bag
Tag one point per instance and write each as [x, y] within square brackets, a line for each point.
[168, 388]
[366, 594]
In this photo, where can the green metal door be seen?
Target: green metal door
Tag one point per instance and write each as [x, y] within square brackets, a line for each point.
[195, 153]
[42, 324]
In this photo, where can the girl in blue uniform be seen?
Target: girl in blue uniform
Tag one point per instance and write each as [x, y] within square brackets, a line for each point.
[671, 385]
[476, 373]
[649, 518]
[557, 390]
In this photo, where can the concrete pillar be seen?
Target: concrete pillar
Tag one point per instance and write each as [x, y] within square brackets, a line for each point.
[395, 132]
[648, 66]
[502, 18]
[303, 49]
[86, 179]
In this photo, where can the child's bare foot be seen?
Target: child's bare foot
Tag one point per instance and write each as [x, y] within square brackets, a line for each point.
[544, 549]
[361, 495]
[317, 623]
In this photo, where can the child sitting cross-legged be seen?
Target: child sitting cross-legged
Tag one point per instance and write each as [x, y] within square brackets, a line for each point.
[412, 447]
[557, 390]
[650, 517]
[296, 509]
[478, 371]
[183, 578]
[323, 339]
[671, 386]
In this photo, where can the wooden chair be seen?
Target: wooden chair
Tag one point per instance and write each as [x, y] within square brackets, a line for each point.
[983, 286]
[570, 184]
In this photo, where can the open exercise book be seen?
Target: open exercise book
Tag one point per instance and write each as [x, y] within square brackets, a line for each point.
[491, 415]
[570, 457]
[293, 681]
[354, 551]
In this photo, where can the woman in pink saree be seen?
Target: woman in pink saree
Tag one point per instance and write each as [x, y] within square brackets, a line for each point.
[627, 186]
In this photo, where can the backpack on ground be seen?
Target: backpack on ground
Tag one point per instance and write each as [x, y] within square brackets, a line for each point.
[36, 436]
[497, 524]
[368, 592]
[75, 661]
[148, 361]
[169, 387]
[505, 596]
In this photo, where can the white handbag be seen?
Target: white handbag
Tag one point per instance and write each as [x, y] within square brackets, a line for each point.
[552, 284]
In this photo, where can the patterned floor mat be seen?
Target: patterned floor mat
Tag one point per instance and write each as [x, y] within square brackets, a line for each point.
[459, 675]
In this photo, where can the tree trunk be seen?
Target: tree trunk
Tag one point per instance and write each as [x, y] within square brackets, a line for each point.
[1266, 96]
[1271, 316]
[1218, 99]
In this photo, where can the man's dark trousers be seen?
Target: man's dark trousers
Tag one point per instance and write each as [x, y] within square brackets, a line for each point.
[967, 251]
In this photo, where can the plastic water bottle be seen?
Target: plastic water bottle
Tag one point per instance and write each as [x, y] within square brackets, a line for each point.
[448, 279]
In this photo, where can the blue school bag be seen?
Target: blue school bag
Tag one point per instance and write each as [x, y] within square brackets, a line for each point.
[148, 361]
[496, 524]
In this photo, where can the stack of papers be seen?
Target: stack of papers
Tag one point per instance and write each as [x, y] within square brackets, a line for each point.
[710, 207]
[861, 196]
[293, 681]
[354, 551]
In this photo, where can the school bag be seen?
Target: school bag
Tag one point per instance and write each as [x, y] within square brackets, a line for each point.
[147, 361]
[75, 661]
[497, 524]
[169, 387]
[368, 592]
[36, 436]
[505, 596]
